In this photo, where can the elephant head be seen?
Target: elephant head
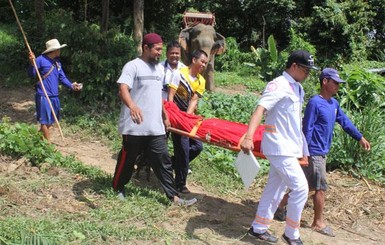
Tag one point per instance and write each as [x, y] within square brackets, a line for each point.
[202, 37]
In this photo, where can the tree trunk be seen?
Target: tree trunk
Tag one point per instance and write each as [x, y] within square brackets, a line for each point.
[105, 15]
[40, 16]
[85, 10]
[138, 24]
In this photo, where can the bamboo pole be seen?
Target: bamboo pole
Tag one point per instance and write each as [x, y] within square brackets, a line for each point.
[37, 70]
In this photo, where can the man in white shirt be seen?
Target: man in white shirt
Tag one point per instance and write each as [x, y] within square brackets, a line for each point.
[283, 144]
[172, 63]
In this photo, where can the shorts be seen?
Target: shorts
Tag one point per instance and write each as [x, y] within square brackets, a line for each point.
[315, 173]
[43, 111]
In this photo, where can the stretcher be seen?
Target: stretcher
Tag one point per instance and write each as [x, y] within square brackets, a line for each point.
[219, 132]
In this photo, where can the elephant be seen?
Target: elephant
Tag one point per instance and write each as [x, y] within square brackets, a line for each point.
[202, 37]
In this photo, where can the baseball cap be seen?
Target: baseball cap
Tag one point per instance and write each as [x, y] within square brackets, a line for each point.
[303, 58]
[151, 38]
[331, 73]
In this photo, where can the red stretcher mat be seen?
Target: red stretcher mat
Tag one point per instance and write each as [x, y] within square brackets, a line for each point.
[214, 131]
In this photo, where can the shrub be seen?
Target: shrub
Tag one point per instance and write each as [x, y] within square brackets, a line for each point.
[236, 108]
[347, 154]
[362, 90]
[232, 59]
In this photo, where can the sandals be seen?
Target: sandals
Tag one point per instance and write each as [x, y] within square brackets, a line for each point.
[327, 231]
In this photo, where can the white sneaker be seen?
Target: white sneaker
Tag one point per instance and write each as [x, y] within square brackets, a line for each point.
[189, 171]
[121, 196]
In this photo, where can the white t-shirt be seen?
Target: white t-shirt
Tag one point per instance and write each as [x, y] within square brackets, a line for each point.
[145, 81]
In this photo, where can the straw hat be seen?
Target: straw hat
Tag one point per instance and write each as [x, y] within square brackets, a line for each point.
[53, 45]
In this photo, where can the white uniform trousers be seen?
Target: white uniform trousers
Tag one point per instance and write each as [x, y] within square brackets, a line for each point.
[285, 172]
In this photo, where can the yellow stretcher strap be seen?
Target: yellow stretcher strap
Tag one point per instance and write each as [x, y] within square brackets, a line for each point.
[194, 130]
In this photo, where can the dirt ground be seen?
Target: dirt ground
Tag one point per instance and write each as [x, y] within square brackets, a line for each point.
[354, 208]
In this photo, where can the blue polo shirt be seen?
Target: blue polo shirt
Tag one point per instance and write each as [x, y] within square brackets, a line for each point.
[318, 124]
[51, 82]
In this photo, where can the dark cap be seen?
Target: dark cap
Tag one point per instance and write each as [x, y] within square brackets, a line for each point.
[151, 38]
[330, 73]
[303, 58]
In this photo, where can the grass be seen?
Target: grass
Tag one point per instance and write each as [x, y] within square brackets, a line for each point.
[72, 208]
[231, 79]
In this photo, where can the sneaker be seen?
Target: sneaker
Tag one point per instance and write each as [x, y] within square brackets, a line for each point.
[189, 171]
[266, 236]
[186, 202]
[121, 195]
[280, 214]
[184, 190]
[289, 241]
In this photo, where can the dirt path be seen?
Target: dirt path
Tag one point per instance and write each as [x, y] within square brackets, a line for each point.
[354, 209]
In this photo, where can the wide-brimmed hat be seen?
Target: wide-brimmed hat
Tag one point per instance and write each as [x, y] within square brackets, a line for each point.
[53, 45]
[330, 73]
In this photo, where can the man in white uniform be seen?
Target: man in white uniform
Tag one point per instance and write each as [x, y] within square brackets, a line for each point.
[283, 144]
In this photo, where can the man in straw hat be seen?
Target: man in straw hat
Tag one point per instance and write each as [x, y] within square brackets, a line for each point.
[143, 120]
[51, 72]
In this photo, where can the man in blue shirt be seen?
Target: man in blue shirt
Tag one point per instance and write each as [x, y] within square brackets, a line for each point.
[51, 73]
[321, 113]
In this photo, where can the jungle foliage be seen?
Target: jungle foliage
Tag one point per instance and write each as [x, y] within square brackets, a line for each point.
[348, 35]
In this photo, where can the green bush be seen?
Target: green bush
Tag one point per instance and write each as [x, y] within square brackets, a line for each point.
[236, 108]
[92, 58]
[363, 89]
[22, 140]
[347, 154]
[13, 56]
[232, 59]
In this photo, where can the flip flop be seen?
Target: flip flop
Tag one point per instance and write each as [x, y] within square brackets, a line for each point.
[327, 231]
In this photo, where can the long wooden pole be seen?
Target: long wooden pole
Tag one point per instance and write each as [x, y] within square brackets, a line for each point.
[37, 70]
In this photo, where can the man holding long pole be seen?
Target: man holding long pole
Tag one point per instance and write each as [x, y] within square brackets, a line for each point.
[51, 71]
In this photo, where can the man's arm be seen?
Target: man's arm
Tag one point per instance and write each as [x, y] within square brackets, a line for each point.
[171, 93]
[348, 126]
[192, 104]
[173, 85]
[125, 96]
[247, 143]
[309, 119]
[166, 122]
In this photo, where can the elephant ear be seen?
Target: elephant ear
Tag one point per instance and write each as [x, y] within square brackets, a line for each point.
[220, 44]
[184, 40]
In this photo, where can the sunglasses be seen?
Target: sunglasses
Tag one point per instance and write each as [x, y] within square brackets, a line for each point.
[304, 68]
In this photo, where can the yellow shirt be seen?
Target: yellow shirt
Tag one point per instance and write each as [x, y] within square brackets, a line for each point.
[186, 87]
